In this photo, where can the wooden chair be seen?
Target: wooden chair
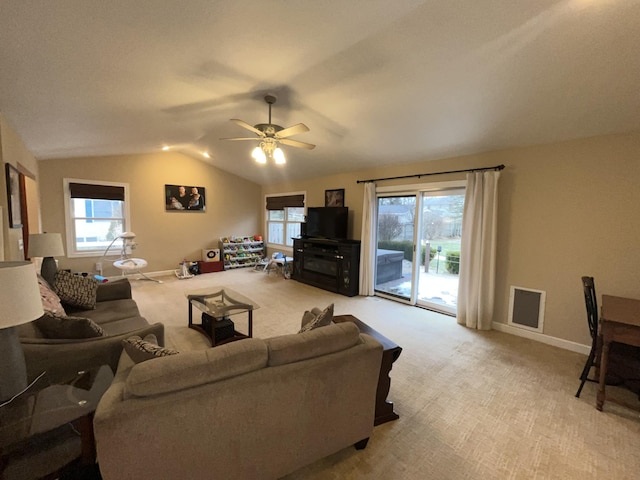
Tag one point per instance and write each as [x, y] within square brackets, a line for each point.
[592, 319]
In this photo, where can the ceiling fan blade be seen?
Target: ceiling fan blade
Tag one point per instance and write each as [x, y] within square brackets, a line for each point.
[294, 130]
[296, 143]
[241, 138]
[247, 126]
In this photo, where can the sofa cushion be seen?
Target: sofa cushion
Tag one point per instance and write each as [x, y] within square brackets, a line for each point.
[191, 369]
[314, 343]
[316, 318]
[124, 325]
[75, 289]
[107, 312]
[147, 348]
[68, 327]
[50, 301]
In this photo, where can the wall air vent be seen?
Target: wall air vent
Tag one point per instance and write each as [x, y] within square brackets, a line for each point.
[526, 308]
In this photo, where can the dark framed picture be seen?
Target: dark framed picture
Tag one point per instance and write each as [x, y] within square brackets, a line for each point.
[184, 198]
[14, 187]
[334, 198]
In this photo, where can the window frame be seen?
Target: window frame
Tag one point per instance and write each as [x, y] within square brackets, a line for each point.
[284, 222]
[72, 251]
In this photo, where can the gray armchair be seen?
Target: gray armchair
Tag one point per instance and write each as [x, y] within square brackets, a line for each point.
[118, 315]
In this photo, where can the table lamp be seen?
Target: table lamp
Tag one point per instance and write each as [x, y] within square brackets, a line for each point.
[46, 245]
[21, 303]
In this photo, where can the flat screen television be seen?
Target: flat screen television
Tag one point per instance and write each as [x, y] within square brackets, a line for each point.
[327, 222]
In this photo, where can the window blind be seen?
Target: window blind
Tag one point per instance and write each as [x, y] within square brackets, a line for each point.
[100, 192]
[280, 203]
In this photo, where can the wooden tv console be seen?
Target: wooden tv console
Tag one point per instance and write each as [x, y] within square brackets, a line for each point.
[332, 265]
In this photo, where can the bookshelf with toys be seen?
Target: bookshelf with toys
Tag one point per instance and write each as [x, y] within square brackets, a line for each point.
[240, 252]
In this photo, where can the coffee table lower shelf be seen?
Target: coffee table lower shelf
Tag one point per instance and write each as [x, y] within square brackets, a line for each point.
[214, 343]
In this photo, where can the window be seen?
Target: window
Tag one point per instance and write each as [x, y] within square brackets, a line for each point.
[96, 213]
[285, 213]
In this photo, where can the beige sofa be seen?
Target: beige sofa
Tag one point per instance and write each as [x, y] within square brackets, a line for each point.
[251, 409]
[118, 315]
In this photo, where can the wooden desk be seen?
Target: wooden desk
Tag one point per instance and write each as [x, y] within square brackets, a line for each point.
[619, 322]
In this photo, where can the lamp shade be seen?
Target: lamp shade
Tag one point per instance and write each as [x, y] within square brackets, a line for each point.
[278, 156]
[258, 155]
[19, 294]
[45, 245]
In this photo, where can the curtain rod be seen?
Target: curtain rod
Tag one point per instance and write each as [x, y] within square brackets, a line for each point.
[418, 175]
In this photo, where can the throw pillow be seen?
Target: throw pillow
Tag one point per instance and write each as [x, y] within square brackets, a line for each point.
[50, 301]
[321, 319]
[76, 290]
[68, 327]
[307, 317]
[141, 350]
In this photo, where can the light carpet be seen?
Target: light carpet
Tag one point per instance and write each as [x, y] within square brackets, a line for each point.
[472, 405]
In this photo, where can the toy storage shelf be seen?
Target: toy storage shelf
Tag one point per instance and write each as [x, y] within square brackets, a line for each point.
[238, 252]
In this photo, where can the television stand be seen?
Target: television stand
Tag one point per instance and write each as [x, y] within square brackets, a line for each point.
[332, 265]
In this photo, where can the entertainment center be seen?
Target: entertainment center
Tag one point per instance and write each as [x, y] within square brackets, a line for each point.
[323, 257]
[332, 265]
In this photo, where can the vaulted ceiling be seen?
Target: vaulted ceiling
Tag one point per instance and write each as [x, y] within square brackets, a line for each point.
[377, 82]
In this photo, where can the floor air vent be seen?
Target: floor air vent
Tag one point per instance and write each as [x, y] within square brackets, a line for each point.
[526, 308]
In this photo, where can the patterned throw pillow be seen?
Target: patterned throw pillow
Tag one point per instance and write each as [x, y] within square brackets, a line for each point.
[50, 301]
[321, 319]
[68, 327]
[141, 350]
[76, 290]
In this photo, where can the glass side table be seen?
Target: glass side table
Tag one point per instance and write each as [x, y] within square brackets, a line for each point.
[45, 407]
[219, 304]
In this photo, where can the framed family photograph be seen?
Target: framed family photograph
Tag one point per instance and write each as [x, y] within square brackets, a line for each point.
[184, 198]
[13, 193]
[334, 198]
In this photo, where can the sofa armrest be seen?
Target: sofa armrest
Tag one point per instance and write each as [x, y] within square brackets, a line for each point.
[62, 358]
[114, 290]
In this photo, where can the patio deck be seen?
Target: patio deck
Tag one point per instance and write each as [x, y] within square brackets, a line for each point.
[440, 288]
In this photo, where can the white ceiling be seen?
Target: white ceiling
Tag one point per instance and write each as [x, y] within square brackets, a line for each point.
[377, 82]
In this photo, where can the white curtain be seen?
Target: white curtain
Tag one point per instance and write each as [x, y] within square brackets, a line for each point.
[476, 288]
[368, 239]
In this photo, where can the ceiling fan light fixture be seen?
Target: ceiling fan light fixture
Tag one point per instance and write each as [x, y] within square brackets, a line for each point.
[258, 155]
[278, 156]
[270, 136]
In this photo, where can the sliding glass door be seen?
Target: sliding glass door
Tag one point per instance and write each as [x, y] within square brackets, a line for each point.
[395, 249]
[418, 249]
[440, 236]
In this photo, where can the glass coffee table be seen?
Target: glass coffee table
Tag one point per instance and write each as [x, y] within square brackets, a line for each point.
[217, 306]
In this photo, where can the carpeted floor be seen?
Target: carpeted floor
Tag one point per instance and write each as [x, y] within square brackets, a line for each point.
[472, 405]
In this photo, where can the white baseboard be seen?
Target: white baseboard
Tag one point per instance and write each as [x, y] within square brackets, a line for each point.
[540, 337]
[137, 276]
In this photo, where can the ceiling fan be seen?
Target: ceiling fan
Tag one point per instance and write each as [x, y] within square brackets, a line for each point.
[270, 135]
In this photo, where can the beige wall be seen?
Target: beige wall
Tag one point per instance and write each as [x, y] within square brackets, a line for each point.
[164, 238]
[566, 210]
[14, 152]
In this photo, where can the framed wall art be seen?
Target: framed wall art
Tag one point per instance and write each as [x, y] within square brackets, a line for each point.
[184, 198]
[334, 198]
[14, 187]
